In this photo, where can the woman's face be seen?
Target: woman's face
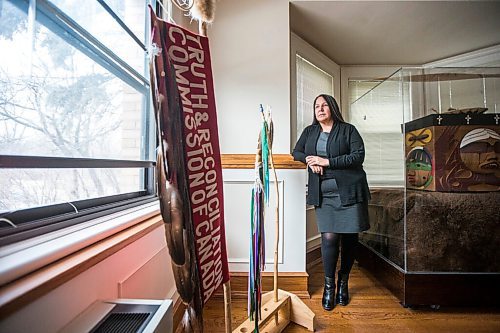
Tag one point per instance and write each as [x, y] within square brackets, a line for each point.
[322, 110]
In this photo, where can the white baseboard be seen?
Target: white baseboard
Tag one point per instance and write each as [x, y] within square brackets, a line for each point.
[312, 243]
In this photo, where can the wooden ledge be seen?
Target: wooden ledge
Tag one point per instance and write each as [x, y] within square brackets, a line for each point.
[247, 161]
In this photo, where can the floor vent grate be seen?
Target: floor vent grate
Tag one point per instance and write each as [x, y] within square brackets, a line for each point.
[122, 323]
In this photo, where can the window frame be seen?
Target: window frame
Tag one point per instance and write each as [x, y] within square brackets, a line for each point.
[300, 47]
[300, 58]
[36, 221]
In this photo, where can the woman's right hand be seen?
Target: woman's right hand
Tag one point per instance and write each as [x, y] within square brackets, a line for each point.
[316, 169]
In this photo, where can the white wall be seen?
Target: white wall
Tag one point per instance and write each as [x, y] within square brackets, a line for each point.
[238, 185]
[249, 44]
[139, 270]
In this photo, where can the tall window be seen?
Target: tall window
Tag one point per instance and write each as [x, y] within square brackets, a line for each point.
[378, 115]
[311, 81]
[75, 126]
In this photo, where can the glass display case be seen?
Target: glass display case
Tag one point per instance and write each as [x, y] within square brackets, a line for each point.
[432, 140]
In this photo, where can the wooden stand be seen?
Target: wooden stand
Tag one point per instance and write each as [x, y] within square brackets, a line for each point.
[279, 307]
[288, 308]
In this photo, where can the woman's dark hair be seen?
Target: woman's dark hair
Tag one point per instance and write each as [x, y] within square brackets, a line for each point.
[333, 106]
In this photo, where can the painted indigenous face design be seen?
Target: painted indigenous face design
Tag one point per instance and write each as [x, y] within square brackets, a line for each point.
[418, 168]
[322, 111]
[481, 156]
[480, 150]
[418, 173]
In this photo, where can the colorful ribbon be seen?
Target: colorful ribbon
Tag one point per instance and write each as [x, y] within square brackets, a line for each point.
[260, 198]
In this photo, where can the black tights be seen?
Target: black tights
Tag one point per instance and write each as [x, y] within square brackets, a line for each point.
[330, 242]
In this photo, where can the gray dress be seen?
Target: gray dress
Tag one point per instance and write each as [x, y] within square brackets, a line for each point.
[331, 216]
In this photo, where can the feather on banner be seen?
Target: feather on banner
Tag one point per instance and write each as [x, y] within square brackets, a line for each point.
[260, 199]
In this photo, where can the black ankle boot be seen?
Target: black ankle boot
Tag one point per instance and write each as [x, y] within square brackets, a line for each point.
[328, 300]
[342, 290]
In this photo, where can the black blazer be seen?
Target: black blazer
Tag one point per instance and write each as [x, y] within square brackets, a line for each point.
[346, 153]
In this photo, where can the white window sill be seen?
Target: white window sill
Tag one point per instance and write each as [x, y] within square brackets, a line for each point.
[22, 258]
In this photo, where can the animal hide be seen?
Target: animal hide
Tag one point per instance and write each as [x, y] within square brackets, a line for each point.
[203, 10]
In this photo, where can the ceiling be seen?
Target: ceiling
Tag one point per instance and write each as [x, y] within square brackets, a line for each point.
[395, 32]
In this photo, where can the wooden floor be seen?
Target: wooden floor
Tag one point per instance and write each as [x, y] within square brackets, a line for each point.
[372, 309]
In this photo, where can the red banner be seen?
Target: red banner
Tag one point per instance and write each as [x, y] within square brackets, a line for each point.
[190, 55]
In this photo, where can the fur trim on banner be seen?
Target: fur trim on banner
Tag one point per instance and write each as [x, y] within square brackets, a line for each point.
[203, 10]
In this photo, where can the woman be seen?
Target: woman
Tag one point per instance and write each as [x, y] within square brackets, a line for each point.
[334, 152]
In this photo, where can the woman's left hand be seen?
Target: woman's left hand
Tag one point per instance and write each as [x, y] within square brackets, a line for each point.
[316, 160]
[316, 169]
